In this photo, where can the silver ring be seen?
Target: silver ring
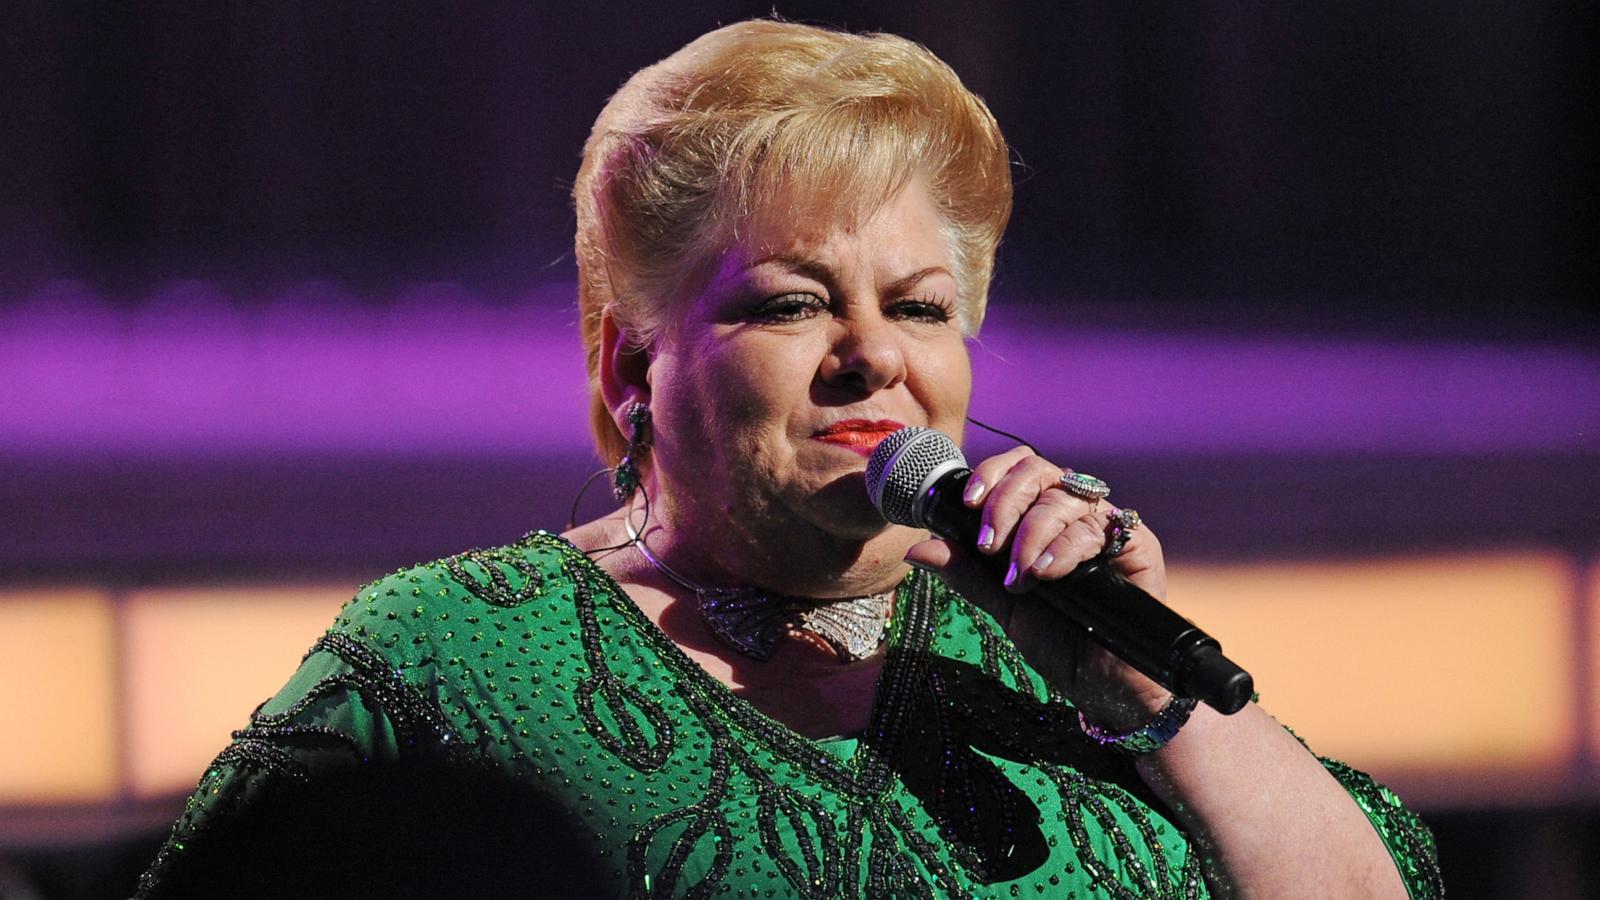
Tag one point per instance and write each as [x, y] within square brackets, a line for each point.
[1084, 486]
[1123, 524]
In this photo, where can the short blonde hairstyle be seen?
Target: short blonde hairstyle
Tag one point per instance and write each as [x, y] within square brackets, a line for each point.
[709, 140]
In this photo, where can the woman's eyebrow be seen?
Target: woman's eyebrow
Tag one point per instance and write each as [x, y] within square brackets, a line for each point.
[799, 265]
[909, 281]
[816, 271]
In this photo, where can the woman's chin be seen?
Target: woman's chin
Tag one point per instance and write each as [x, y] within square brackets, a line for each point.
[841, 507]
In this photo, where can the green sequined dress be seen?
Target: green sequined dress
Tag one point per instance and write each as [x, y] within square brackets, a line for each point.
[529, 660]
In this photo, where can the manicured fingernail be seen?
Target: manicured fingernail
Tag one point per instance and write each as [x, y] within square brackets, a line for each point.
[1011, 575]
[1043, 562]
[975, 489]
[985, 537]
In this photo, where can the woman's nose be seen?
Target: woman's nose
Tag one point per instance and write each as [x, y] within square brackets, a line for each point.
[867, 355]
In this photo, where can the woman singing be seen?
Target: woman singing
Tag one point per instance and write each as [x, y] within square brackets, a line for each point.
[743, 681]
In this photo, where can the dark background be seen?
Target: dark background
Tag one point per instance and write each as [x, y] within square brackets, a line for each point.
[1403, 169]
[1412, 165]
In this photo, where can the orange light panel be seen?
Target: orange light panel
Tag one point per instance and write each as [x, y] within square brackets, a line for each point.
[200, 659]
[1440, 663]
[1381, 663]
[57, 696]
[1592, 663]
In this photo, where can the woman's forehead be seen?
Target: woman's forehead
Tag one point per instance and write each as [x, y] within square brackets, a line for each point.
[795, 230]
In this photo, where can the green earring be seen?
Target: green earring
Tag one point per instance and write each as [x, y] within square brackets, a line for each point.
[625, 478]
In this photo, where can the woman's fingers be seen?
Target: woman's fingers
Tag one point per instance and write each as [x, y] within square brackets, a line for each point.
[1141, 562]
[1058, 526]
[934, 553]
[1026, 485]
[1042, 532]
[1062, 551]
[1024, 509]
[986, 474]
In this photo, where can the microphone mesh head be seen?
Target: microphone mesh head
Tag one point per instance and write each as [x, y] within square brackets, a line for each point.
[899, 468]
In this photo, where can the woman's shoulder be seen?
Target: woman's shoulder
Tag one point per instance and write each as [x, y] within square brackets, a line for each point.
[433, 601]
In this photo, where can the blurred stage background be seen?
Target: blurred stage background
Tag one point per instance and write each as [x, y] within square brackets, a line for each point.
[286, 302]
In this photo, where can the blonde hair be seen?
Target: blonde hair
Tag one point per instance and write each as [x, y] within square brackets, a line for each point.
[707, 141]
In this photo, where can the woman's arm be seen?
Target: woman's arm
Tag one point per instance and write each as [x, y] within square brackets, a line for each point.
[1268, 817]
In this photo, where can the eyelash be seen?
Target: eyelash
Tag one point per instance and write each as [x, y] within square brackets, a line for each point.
[791, 307]
[926, 309]
[796, 306]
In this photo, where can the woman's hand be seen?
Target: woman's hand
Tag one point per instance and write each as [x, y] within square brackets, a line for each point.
[1042, 532]
[1268, 818]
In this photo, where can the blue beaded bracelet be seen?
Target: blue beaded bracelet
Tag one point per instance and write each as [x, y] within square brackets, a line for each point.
[1152, 737]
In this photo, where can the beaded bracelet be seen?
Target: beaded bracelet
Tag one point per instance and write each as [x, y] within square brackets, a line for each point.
[1152, 737]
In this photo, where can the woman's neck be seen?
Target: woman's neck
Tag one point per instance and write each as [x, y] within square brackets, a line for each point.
[793, 558]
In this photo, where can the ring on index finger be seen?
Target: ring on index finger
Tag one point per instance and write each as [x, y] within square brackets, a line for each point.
[1084, 486]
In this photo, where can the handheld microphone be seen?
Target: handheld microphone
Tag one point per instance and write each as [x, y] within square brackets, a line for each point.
[916, 477]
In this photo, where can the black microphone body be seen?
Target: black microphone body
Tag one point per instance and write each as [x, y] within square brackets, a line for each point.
[917, 477]
[1118, 614]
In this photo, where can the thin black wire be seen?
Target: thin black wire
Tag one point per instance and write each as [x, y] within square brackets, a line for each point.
[572, 513]
[1006, 434]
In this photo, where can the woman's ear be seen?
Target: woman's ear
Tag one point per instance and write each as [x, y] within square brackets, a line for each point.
[624, 368]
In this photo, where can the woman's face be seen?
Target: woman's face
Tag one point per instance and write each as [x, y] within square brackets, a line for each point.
[809, 344]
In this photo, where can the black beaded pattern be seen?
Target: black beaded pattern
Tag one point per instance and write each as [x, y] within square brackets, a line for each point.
[1001, 661]
[974, 809]
[498, 590]
[705, 821]
[302, 735]
[816, 873]
[819, 864]
[252, 753]
[1109, 806]
[532, 658]
[418, 723]
[891, 873]
[625, 704]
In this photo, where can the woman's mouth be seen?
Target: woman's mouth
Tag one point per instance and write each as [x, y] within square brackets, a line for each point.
[860, 435]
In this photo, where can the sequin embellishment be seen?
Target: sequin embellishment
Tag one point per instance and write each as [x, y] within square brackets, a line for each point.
[970, 780]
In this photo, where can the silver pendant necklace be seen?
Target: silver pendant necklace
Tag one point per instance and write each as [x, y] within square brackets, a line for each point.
[752, 621]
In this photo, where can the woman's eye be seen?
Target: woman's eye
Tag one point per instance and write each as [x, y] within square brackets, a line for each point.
[922, 310]
[791, 307]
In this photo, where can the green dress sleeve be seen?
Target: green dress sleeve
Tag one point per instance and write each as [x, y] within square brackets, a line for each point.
[1409, 841]
[345, 707]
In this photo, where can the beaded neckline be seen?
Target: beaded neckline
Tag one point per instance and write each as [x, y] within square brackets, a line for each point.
[908, 644]
[752, 620]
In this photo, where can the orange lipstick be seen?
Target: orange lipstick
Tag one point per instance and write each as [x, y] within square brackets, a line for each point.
[860, 435]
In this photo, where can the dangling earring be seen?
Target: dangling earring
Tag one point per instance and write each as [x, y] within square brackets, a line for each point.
[625, 479]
